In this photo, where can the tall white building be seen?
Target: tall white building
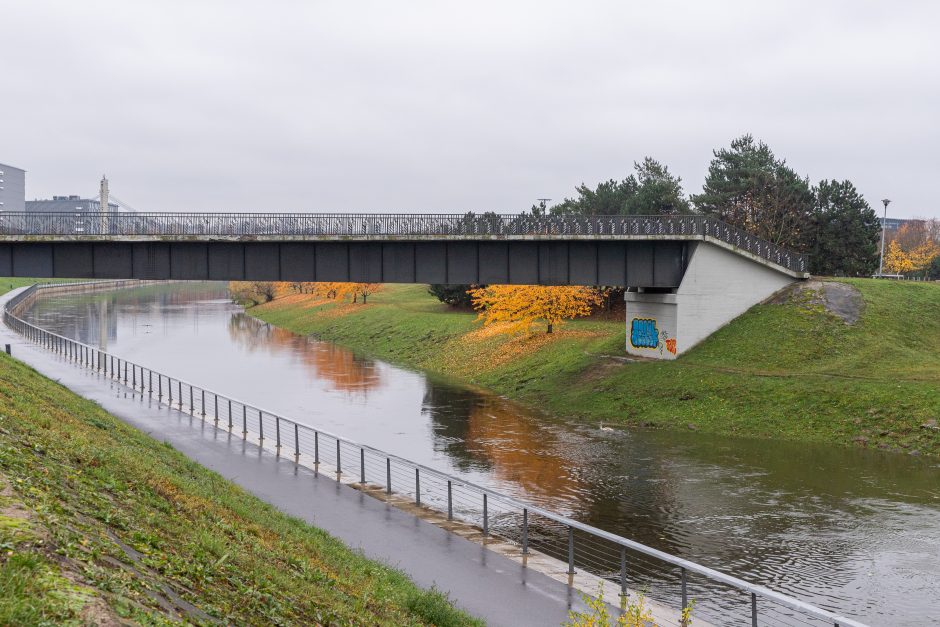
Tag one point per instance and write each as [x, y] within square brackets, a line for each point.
[12, 188]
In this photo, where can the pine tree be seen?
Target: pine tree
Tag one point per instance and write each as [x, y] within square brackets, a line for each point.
[747, 186]
[847, 231]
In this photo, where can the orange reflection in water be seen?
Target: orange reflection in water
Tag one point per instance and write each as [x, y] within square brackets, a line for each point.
[520, 451]
[345, 371]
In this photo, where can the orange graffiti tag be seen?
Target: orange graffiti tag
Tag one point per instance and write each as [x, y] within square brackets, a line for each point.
[671, 345]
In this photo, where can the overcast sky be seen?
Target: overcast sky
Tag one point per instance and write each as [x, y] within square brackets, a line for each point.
[446, 106]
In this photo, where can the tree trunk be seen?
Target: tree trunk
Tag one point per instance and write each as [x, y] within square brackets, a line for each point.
[549, 327]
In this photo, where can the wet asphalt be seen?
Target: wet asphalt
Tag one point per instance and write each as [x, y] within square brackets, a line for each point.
[484, 583]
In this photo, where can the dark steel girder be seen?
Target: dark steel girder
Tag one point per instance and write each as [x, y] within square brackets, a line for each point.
[647, 264]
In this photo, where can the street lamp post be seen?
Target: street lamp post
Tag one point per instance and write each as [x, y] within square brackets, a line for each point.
[884, 227]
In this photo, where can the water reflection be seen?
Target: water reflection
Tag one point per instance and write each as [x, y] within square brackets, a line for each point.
[849, 529]
[482, 432]
[346, 371]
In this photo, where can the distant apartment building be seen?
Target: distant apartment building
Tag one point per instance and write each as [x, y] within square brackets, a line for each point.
[893, 224]
[12, 188]
[72, 204]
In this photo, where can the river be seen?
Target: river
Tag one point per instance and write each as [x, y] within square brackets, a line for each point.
[851, 530]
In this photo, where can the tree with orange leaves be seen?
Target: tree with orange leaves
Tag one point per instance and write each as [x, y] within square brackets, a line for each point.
[522, 305]
[365, 290]
[896, 260]
[340, 290]
[924, 254]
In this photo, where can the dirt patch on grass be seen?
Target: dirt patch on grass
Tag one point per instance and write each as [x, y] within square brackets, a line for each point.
[601, 369]
[841, 300]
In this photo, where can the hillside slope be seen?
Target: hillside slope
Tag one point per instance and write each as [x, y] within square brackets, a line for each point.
[792, 370]
[102, 524]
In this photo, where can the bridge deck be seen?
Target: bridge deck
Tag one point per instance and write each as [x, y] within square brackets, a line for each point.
[25, 227]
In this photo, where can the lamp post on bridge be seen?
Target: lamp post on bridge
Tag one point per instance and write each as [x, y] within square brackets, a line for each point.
[884, 227]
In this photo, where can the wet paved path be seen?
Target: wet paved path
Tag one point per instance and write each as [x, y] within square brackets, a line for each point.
[480, 581]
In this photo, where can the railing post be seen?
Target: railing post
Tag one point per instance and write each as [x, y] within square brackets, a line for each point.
[418, 487]
[362, 465]
[277, 433]
[159, 387]
[623, 571]
[571, 570]
[316, 448]
[202, 405]
[525, 530]
[486, 517]
[296, 442]
[388, 475]
[753, 610]
[169, 391]
[150, 377]
[180, 394]
[450, 500]
[192, 408]
[244, 422]
[339, 466]
[231, 424]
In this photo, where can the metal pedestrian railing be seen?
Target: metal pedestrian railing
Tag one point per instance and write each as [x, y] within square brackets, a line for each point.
[398, 225]
[665, 580]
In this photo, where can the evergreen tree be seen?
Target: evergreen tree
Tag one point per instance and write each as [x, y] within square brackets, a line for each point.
[651, 190]
[847, 231]
[609, 198]
[933, 272]
[747, 186]
[453, 295]
[657, 191]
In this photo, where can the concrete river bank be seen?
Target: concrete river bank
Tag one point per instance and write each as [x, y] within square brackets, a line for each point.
[855, 531]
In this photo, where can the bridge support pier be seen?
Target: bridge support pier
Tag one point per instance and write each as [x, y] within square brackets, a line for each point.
[719, 285]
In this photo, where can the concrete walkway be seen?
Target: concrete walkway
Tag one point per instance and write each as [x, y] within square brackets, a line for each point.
[484, 583]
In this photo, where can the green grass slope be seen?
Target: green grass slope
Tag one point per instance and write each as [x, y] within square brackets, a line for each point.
[791, 371]
[101, 524]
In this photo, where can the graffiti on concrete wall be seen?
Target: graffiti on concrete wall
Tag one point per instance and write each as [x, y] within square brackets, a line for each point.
[645, 334]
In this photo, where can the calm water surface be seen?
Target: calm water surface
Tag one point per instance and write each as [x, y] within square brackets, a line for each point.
[851, 530]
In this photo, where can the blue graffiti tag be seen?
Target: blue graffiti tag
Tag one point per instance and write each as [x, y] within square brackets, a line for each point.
[643, 333]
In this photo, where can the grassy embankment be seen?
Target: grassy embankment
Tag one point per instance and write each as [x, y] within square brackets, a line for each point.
[101, 523]
[789, 371]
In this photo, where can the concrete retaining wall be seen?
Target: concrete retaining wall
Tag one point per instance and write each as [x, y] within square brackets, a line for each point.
[718, 286]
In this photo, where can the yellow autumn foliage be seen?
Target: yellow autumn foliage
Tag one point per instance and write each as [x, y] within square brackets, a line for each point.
[896, 260]
[924, 254]
[258, 292]
[522, 305]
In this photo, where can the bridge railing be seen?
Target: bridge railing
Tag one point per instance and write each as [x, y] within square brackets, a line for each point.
[319, 225]
[668, 582]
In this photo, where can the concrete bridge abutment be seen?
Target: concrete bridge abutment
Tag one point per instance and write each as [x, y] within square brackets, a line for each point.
[718, 286]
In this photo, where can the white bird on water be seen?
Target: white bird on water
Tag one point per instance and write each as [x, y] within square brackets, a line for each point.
[603, 428]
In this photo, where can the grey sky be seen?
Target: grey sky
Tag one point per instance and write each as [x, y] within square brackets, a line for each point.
[445, 106]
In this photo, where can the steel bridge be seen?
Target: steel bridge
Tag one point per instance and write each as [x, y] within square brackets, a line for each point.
[630, 251]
